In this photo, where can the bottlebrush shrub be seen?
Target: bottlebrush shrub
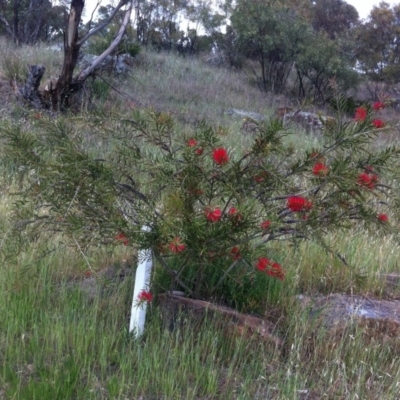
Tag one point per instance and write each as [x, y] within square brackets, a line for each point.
[213, 211]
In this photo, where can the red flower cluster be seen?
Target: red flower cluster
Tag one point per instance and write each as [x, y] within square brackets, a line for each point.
[265, 225]
[367, 180]
[145, 296]
[193, 143]
[378, 123]
[360, 114]
[320, 169]
[378, 105]
[213, 215]
[233, 211]
[235, 253]
[176, 245]
[234, 214]
[220, 156]
[298, 203]
[121, 237]
[383, 218]
[270, 268]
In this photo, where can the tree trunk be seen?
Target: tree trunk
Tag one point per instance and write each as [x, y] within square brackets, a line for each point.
[60, 94]
[16, 21]
[58, 97]
[30, 92]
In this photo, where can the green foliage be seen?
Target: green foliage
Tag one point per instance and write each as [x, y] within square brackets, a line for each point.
[31, 22]
[344, 104]
[98, 44]
[158, 23]
[279, 39]
[131, 48]
[100, 89]
[270, 34]
[319, 62]
[378, 43]
[203, 203]
[335, 17]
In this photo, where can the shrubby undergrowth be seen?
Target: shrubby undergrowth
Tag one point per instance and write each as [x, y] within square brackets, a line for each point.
[215, 213]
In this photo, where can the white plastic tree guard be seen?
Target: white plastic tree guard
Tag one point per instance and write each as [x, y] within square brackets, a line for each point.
[142, 283]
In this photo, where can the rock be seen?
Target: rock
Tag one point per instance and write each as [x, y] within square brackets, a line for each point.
[122, 63]
[308, 120]
[245, 114]
[340, 310]
[235, 323]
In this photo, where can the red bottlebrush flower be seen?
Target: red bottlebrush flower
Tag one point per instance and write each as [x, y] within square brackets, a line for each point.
[368, 181]
[262, 263]
[270, 268]
[234, 213]
[121, 237]
[378, 123]
[276, 271]
[320, 169]
[265, 225]
[383, 218]
[360, 114]
[378, 105]
[145, 296]
[298, 203]
[213, 215]
[235, 253]
[199, 151]
[220, 156]
[176, 245]
[192, 142]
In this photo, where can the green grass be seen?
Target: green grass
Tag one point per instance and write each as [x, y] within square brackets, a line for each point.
[57, 343]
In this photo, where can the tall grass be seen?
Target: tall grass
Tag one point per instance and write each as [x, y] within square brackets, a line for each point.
[14, 61]
[57, 342]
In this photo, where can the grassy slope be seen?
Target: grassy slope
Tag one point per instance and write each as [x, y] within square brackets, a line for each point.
[57, 344]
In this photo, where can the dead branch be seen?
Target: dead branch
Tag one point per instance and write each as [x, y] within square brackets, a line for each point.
[104, 23]
[29, 92]
[114, 44]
